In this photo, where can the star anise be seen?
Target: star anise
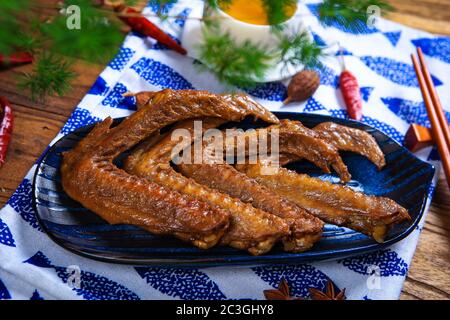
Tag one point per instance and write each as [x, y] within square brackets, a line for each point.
[282, 293]
[329, 294]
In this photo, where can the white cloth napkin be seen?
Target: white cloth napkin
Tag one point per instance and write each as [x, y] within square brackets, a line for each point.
[33, 267]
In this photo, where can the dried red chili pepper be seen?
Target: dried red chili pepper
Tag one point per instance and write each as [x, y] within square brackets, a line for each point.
[145, 27]
[15, 59]
[6, 126]
[352, 95]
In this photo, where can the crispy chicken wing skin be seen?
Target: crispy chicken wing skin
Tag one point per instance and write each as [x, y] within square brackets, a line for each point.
[351, 139]
[332, 203]
[89, 176]
[250, 228]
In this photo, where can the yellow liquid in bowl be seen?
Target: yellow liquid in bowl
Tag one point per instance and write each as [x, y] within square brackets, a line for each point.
[251, 11]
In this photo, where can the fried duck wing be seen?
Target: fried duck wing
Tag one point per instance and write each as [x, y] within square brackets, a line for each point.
[299, 142]
[89, 176]
[333, 203]
[296, 142]
[305, 229]
[351, 139]
[250, 229]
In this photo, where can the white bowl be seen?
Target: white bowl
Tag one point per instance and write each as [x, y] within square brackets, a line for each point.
[241, 31]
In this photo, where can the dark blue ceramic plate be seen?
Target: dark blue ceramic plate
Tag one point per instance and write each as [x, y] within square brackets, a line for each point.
[405, 179]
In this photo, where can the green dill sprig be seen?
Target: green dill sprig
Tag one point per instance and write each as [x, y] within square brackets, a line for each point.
[10, 24]
[51, 75]
[96, 41]
[244, 64]
[236, 64]
[297, 48]
[350, 13]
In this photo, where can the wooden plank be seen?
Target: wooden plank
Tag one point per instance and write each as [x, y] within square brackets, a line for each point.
[433, 249]
[428, 276]
[415, 290]
[429, 15]
[37, 123]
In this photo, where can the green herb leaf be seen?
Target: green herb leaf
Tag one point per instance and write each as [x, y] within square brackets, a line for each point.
[233, 63]
[297, 48]
[97, 40]
[10, 24]
[51, 75]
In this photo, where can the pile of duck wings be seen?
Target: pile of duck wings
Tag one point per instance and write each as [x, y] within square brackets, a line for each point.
[211, 202]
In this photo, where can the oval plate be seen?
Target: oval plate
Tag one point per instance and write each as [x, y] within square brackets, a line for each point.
[405, 179]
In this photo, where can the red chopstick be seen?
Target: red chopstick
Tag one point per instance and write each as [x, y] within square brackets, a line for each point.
[439, 124]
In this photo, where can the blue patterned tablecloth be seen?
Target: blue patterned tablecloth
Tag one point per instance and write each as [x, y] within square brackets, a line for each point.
[33, 267]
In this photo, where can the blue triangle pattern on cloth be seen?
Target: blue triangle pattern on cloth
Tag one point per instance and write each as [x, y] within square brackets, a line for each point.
[343, 52]
[36, 296]
[4, 293]
[121, 59]
[181, 17]
[393, 37]
[161, 7]
[6, 236]
[99, 88]
[318, 39]
[313, 105]
[365, 92]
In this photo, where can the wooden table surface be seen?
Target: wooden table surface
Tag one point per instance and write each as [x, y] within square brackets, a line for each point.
[36, 124]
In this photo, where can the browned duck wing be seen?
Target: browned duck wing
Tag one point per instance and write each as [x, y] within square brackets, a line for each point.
[333, 203]
[351, 139]
[305, 229]
[295, 142]
[250, 228]
[90, 177]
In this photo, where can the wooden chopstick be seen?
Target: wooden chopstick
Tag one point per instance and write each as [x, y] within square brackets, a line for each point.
[436, 127]
[435, 98]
